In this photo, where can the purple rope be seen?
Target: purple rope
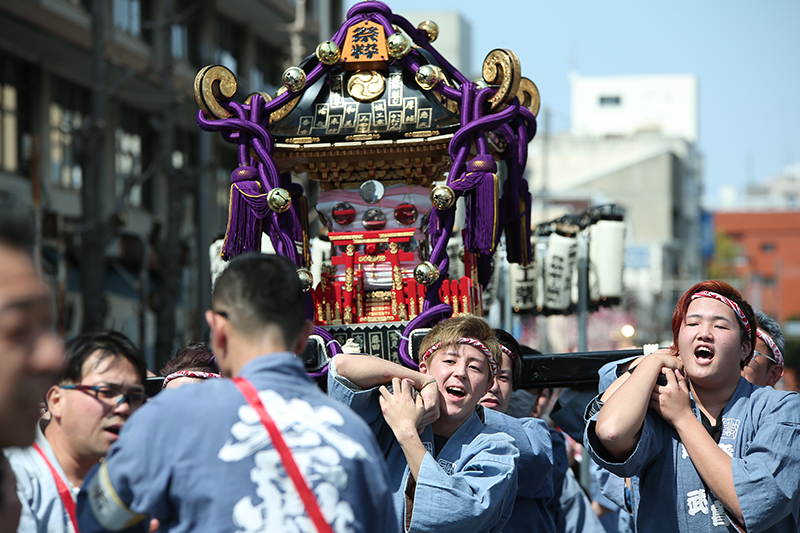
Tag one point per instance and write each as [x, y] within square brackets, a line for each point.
[421, 39]
[427, 318]
[364, 8]
[248, 127]
[330, 344]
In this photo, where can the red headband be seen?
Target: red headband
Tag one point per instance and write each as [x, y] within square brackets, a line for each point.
[764, 336]
[507, 351]
[189, 374]
[472, 342]
[730, 303]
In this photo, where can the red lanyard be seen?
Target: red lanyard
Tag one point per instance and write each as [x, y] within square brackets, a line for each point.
[309, 500]
[63, 490]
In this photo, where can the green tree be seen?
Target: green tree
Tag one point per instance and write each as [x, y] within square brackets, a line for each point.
[726, 254]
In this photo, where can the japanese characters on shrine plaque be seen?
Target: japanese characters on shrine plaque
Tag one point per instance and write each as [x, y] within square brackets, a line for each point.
[365, 47]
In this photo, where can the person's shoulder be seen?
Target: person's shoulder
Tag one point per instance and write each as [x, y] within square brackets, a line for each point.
[499, 424]
[535, 425]
[773, 401]
[19, 455]
[495, 441]
[350, 417]
[501, 421]
[190, 402]
[193, 395]
[28, 467]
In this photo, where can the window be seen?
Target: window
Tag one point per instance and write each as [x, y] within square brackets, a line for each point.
[184, 154]
[610, 100]
[767, 246]
[180, 41]
[229, 44]
[132, 157]
[267, 72]
[68, 109]
[184, 31]
[128, 16]
[16, 140]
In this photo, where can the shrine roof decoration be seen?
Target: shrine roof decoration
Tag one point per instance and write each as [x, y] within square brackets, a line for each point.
[378, 102]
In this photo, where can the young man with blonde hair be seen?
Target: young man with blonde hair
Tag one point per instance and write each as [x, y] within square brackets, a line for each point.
[448, 470]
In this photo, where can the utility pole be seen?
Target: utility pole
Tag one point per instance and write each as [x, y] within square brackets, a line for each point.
[95, 231]
[204, 186]
[583, 289]
[543, 193]
[541, 321]
[169, 246]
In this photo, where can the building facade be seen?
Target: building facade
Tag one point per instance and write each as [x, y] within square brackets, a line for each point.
[766, 258]
[48, 69]
[632, 143]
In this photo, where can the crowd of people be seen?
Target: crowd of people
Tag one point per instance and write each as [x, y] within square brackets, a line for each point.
[239, 438]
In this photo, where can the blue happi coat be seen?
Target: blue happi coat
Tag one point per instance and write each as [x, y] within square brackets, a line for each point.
[535, 477]
[469, 486]
[200, 460]
[761, 433]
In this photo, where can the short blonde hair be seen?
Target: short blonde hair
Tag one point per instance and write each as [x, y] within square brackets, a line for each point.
[447, 332]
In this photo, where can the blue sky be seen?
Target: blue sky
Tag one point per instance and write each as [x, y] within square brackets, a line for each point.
[746, 56]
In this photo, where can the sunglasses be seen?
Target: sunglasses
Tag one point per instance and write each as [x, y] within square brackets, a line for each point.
[765, 356]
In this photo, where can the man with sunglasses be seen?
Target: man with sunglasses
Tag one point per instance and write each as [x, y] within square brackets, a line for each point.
[765, 368]
[102, 384]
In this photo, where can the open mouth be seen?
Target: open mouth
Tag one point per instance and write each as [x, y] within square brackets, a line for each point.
[490, 402]
[703, 354]
[458, 392]
[114, 430]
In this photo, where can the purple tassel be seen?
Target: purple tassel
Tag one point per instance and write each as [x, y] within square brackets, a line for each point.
[308, 298]
[480, 185]
[243, 233]
[485, 269]
[516, 209]
[518, 232]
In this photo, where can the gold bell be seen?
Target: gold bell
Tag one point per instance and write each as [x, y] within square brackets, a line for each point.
[279, 200]
[428, 76]
[430, 28]
[398, 45]
[462, 253]
[294, 78]
[306, 278]
[328, 53]
[443, 197]
[426, 273]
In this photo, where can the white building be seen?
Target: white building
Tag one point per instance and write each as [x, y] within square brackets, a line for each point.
[46, 65]
[633, 143]
[608, 106]
[780, 192]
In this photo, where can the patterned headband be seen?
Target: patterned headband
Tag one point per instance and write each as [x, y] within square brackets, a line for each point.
[189, 374]
[472, 342]
[507, 352]
[764, 336]
[730, 303]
